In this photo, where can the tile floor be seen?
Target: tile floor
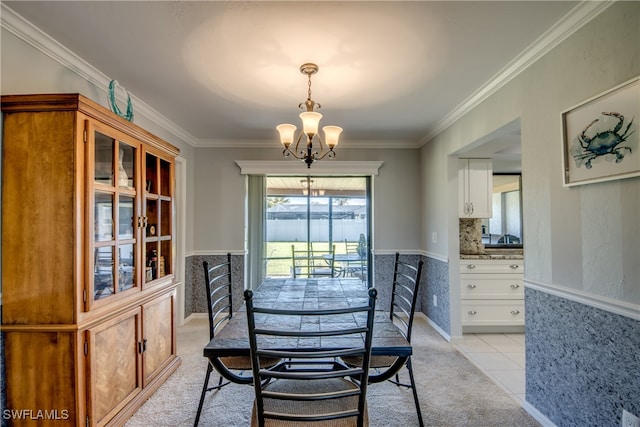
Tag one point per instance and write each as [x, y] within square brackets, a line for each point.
[501, 357]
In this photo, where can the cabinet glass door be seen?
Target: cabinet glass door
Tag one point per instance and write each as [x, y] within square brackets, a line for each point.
[115, 214]
[158, 206]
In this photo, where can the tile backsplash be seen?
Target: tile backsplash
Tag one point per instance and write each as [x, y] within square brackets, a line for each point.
[471, 236]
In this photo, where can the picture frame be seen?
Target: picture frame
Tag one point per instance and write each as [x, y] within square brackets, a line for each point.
[601, 137]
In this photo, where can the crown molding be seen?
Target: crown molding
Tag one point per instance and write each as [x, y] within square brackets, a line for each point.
[294, 167]
[575, 19]
[32, 35]
[272, 143]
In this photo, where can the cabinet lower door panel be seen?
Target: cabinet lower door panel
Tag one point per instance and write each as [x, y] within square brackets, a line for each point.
[158, 328]
[115, 365]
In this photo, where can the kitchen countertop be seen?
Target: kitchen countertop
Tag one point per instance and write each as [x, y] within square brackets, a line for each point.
[495, 254]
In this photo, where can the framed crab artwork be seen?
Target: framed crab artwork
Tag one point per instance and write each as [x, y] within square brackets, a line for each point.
[601, 141]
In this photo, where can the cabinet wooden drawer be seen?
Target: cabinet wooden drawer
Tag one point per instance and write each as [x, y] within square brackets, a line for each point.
[480, 266]
[485, 286]
[485, 313]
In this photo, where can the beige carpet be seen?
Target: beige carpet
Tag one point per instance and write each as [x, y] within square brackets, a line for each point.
[452, 391]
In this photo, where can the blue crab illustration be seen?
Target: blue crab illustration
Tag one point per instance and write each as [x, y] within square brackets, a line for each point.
[604, 143]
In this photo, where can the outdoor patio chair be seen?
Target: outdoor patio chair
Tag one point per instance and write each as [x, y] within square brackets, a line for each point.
[313, 263]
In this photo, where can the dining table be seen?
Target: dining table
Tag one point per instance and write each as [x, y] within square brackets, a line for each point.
[307, 293]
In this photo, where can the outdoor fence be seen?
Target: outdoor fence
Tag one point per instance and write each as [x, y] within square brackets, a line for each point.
[320, 230]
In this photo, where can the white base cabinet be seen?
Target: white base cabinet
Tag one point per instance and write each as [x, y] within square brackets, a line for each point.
[492, 293]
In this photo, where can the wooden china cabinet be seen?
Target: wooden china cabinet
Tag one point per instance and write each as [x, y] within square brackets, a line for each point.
[88, 288]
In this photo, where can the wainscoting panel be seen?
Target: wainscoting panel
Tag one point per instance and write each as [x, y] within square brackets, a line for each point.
[383, 277]
[435, 277]
[195, 298]
[583, 363]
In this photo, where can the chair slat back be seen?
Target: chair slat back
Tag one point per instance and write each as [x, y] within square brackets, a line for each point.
[313, 262]
[406, 283]
[275, 332]
[218, 281]
[351, 247]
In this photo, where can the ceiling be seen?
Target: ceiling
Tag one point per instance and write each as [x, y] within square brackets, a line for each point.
[226, 72]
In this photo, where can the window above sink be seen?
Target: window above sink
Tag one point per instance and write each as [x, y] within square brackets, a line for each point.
[504, 228]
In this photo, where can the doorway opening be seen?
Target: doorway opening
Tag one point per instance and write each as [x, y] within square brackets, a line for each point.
[317, 213]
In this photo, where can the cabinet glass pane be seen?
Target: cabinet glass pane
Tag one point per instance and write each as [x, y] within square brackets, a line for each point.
[103, 273]
[126, 168]
[165, 218]
[151, 262]
[125, 217]
[151, 166]
[152, 218]
[164, 260]
[103, 217]
[103, 159]
[126, 267]
[165, 178]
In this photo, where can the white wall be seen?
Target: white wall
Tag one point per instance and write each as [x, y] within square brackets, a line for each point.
[585, 238]
[218, 208]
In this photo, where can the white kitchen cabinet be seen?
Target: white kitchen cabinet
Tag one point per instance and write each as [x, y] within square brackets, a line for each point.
[492, 293]
[476, 189]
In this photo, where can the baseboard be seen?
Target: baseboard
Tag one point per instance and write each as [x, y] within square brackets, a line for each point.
[194, 316]
[539, 416]
[433, 324]
[498, 329]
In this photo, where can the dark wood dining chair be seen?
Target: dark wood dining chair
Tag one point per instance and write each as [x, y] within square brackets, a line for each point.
[404, 295]
[218, 280]
[311, 386]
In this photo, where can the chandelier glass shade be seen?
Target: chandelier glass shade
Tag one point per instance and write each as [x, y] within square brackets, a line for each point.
[302, 146]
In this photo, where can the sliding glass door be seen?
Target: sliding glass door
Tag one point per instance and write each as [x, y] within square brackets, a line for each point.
[317, 213]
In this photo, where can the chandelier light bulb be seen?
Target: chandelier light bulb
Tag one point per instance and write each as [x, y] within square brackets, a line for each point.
[287, 133]
[310, 122]
[332, 135]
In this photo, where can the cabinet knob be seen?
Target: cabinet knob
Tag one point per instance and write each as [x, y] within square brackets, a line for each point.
[472, 286]
[471, 266]
[515, 286]
[514, 266]
[472, 312]
[515, 312]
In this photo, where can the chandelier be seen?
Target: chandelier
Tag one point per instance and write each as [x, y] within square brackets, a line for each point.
[310, 121]
[307, 184]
